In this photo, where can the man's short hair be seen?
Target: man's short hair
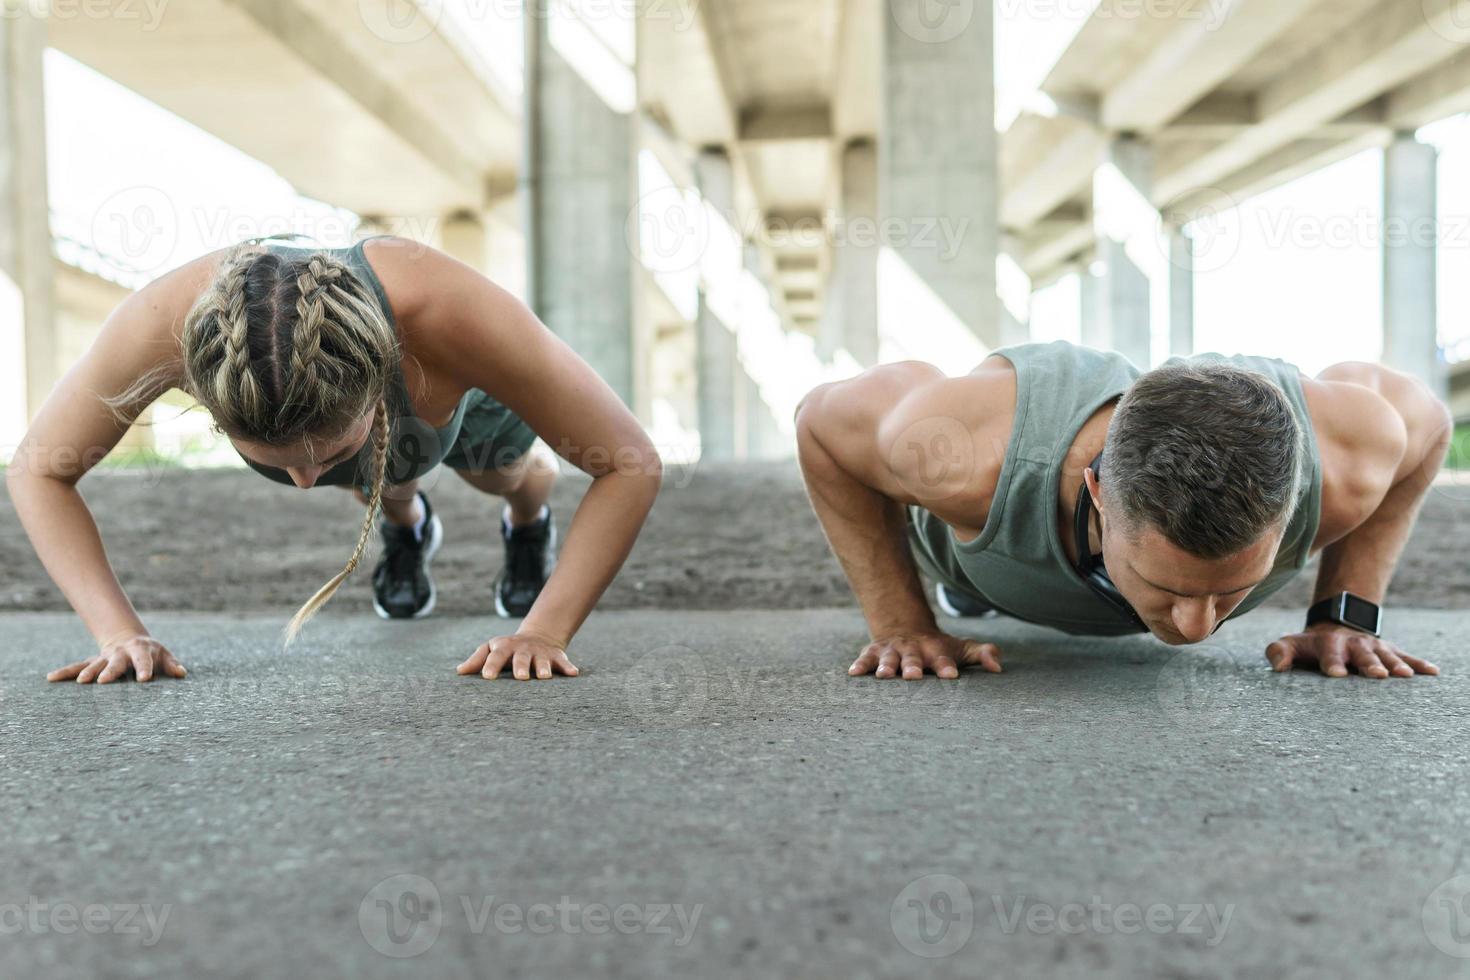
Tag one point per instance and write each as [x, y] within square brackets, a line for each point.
[1208, 454]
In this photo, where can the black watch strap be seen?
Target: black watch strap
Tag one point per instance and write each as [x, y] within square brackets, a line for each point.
[1348, 610]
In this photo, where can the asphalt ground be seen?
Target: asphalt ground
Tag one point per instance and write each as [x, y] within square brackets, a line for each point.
[715, 797]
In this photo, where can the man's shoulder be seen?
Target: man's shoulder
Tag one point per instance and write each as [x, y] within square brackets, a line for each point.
[945, 440]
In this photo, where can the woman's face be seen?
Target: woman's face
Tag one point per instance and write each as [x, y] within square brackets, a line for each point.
[308, 459]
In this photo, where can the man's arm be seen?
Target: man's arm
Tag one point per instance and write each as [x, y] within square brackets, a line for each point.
[1383, 438]
[865, 451]
[1403, 434]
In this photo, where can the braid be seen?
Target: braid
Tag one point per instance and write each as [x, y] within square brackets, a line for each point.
[234, 333]
[312, 283]
[380, 477]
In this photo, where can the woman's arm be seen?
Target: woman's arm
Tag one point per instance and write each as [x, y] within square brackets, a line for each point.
[480, 336]
[71, 433]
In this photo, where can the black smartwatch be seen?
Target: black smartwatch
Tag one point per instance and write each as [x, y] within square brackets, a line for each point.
[1349, 610]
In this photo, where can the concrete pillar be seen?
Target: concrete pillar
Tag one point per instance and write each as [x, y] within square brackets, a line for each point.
[1410, 245]
[1127, 260]
[937, 167]
[578, 187]
[716, 353]
[1093, 318]
[1181, 293]
[462, 234]
[29, 366]
[850, 313]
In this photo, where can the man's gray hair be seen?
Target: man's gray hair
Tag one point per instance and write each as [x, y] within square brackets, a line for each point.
[1208, 454]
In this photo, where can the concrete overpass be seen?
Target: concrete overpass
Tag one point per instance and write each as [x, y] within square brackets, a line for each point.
[833, 136]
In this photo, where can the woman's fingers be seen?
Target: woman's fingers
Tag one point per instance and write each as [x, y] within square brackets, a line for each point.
[476, 661]
[70, 671]
[143, 662]
[94, 667]
[170, 666]
[118, 663]
[560, 662]
[495, 662]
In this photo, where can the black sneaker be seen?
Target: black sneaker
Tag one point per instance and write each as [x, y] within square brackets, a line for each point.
[402, 588]
[530, 555]
[962, 605]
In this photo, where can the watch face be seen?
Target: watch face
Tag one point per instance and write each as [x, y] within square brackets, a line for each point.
[1360, 613]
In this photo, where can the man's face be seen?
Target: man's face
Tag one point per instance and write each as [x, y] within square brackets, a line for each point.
[1179, 596]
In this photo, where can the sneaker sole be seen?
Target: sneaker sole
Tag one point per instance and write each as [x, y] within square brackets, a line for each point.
[500, 609]
[436, 538]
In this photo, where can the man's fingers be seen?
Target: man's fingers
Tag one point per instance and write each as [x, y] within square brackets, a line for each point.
[1395, 666]
[1363, 656]
[69, 672]
[1420, 664]
[944, 666]
[866, 662]
[887, 664]
[1333, 660]
[987, 655]
[476, 661]
[1281, 656]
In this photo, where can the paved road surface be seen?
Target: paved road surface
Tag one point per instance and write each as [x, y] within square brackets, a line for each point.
[713, 797]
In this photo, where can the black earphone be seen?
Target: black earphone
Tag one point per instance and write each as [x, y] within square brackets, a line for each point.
[1090, 566]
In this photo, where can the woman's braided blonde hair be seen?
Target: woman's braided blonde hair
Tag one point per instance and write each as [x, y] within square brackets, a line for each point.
[281, 349]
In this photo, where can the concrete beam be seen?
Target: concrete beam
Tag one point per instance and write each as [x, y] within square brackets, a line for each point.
[1192, 61]
[1394, 42]
[1035, 184]
[1437, 94]
[761, 124]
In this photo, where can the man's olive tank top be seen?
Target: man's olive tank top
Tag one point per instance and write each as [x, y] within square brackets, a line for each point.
[1017, 564]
